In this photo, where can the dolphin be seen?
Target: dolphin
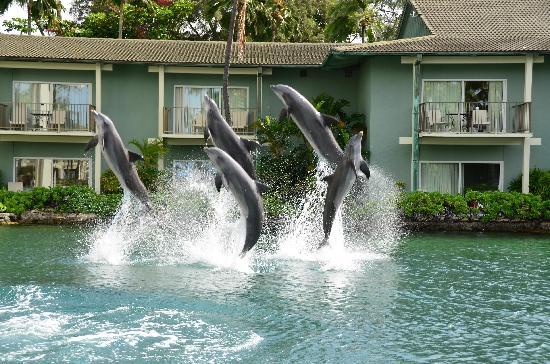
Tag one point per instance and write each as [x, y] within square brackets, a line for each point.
[245, 190]
[120, 160]
[341, 181]
[314, 125]
[224, 137]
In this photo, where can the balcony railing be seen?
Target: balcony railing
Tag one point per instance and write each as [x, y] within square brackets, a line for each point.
[191, 121]
[46, 117]
[475, 117]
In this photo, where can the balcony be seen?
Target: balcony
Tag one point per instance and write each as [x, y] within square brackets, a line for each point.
[46, 122]
[474, 118]
[189, 122]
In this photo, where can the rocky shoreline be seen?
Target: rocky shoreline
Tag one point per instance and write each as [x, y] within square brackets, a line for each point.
[36, 217]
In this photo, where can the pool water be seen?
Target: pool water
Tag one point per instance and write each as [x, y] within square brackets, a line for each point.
[436, 298]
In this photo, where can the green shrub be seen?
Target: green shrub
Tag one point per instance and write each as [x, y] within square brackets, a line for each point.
[485, 206]
[539, 183]
[2, 207]
[75, 199]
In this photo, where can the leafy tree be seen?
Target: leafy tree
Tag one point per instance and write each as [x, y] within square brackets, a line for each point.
[372, 20]
[46, 14]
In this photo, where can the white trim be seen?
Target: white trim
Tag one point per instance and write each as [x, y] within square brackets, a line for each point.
[470, 59]
[90, 162]
[54, 66]
[460, 172]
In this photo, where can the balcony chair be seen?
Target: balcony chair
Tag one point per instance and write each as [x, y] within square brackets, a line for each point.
[58, 119]
[239, 119]
[435, 121]
[480, 121]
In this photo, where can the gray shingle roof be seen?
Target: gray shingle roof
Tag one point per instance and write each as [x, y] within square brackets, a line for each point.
[473, 26]
[23, 47]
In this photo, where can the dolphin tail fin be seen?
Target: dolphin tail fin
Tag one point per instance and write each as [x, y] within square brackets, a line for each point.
[323, 243]
[365, 169]
[250, 145]
[218, 182]
[284, 114]
[329, 120]
[92, 143]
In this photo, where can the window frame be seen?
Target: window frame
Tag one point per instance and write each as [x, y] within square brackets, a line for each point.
[216, 86]
[90, 164]
[88, 84]
[461, 172]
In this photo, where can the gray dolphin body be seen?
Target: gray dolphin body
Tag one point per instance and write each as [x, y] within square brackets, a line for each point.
[120, 160]
[224, 137]
[341, 181]
[313, 124]
[245, 190]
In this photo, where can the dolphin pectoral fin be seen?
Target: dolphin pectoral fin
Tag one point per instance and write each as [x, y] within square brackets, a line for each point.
[262, 187]
[218, 182]
[328, 178]
[133, 157]
[206, 134]
[284, 114]
[329, 120]
[92, 143]
[250, 145]
[365, 169]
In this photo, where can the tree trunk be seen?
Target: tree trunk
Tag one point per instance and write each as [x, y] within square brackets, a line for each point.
[120, 18]
[228, 49]
[29, 16]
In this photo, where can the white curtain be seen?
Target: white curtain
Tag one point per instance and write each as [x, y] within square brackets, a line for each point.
[444, 96]
[496, 109]
[439, 177]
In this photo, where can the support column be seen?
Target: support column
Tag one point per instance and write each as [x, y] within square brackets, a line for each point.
[259, 94]
[526, 164]
[527, 97]
[97, 149]
[160, 162]
[417, 77]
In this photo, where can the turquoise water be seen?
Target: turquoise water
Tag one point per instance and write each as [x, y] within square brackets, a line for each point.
[436, 298]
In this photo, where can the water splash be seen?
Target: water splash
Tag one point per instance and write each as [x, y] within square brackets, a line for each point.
[193, 223]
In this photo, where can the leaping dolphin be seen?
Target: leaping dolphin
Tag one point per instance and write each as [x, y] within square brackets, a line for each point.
[314, 125]
[120, 160]
[245, 190]
[224, 137]
[341, 181]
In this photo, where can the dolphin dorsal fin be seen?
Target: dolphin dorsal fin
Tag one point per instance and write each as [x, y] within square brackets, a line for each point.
[365, 169]
[329, 120]
[262, 187]
[250, 145]
[328, 179]
[133, 157]
[92, 143]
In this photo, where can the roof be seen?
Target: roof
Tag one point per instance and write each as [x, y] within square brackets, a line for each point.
[473, 26]
[25, 47]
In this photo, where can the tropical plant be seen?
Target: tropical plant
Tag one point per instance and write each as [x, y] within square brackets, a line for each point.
[46, 14]
[151, 150]
[539, 183]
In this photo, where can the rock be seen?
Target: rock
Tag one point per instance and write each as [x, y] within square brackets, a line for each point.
[55, 218]
[7, 218]
[538, 227]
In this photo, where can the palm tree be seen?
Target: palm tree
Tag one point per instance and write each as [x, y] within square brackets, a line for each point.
[43, 12]
[228, 49]
[120, 4]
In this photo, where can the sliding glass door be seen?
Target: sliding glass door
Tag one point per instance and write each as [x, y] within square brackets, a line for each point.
[460, 177]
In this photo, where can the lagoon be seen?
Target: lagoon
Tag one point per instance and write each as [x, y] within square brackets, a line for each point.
[435, 298]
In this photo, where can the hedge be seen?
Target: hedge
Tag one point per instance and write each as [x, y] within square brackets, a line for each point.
[73, 199]
[482, 206]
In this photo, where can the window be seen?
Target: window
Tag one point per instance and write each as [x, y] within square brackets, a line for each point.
[185, 168]
[460, 177]
[189, 115]
[47, 172]
[480, 104]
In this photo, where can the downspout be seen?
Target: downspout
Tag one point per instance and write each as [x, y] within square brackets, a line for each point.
[417, 77]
